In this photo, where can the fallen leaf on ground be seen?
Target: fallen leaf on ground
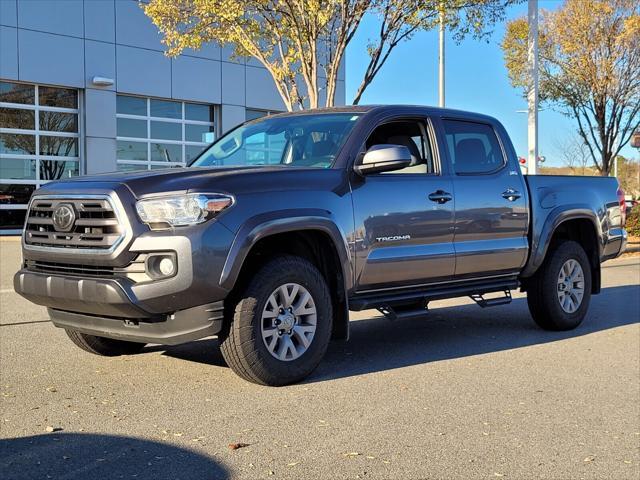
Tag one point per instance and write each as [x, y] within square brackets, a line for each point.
[236, 446]
[590, 458]
[292, 464]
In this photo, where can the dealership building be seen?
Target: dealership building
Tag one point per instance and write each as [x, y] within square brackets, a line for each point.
[85, 88]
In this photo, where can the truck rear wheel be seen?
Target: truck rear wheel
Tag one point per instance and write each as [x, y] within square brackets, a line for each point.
[281, 323]
[107, 347]
[560, 291]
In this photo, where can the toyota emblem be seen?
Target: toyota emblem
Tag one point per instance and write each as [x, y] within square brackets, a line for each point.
[64, 217]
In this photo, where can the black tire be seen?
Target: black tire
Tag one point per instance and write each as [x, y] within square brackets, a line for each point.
[241, 341]
[106, 347]
[542, 292]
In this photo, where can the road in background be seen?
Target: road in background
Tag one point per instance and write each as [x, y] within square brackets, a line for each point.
[463, 393]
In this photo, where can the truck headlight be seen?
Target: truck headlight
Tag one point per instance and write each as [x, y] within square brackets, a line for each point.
[181, 210]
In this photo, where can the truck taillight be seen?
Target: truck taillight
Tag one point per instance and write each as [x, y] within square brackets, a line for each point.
[623, 207]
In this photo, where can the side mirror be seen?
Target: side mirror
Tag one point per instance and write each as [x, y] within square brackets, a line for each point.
[384, 158]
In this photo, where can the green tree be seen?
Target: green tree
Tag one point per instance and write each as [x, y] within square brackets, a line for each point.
[302, 43]
[589, 69]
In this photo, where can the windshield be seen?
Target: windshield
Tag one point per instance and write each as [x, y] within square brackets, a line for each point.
[295, 141]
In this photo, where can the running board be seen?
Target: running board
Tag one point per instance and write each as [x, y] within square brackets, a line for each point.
[365, 301]
[398, 314]
[491, 302]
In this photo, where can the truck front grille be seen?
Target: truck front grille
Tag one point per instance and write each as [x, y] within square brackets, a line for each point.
[94, 223]
[135, 271]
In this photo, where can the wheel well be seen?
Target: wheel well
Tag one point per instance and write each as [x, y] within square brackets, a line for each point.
[315, 246]
[582, 231]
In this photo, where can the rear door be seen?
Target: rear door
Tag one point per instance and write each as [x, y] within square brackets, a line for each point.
[404, 219]
[491, 203]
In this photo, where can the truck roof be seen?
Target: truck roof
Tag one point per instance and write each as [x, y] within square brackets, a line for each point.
[391, 108]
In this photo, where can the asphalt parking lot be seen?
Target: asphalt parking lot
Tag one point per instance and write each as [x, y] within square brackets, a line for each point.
[463, 393]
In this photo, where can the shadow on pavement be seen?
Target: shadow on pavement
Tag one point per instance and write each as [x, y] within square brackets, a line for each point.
[91, 456]
[378, 344]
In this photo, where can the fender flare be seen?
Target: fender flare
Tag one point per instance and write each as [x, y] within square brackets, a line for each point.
[557, 216]
[283, 221]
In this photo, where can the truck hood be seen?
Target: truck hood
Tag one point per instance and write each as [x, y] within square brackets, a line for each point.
[195, 179]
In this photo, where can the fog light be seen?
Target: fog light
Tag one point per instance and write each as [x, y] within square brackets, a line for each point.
[161, 265]
[167, 267]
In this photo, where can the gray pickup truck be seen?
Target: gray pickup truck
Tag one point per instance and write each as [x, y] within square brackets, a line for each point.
[286, 223]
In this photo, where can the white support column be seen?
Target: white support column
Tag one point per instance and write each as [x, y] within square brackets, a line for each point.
[532, 96]
[441, 62]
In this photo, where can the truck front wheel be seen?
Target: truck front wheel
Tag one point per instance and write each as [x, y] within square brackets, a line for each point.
[281, 323]
[107, 347]
[559, 293]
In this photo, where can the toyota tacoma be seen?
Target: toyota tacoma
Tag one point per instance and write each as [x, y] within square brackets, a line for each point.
[285, 224]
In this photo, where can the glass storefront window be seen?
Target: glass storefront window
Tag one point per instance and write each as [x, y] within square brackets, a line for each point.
[18, 118]
[58, 97]
[152, 133]
[252, 114]
[131, 105]
[17, 93]
[58, 122]
[39, 142]
[166, 109]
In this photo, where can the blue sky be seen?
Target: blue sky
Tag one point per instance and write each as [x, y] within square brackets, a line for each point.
[476, 80]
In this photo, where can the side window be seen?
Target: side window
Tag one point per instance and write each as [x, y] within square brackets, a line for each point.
[473, 147]
[411, 134]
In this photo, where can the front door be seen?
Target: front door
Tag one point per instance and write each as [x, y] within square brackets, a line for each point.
[404, 219]
[491, 202]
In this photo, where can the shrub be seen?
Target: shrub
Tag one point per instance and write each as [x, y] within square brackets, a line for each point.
[633, 221]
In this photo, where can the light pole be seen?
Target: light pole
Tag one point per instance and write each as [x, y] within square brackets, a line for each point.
[441, 59]
[532, 95]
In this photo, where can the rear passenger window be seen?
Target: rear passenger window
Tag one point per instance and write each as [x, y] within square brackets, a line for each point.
[473, 147]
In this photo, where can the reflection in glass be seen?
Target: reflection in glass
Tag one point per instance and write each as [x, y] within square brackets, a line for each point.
[162, 152]
[166, 130]
[58, 122]
[166, 109]
[17, 93]
[17, 118]
[17, 143]
[11, 219]
[17, 169]
[130, 167]
[192, 151]
[131, 105]
[197, 133]
[58, 146]
[253, 114]
[195, 111]
[55, 170]
[11, 194]
[127, 127]
[131, 150]
[58, 97]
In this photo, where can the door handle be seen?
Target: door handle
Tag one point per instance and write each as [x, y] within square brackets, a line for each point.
[440, 196]
[511, 194]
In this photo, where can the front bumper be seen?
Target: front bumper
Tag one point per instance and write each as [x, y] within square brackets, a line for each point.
[107, 308]
[179, 327]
